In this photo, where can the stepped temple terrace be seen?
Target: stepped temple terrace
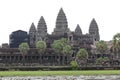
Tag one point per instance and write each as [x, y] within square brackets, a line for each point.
[60, 48]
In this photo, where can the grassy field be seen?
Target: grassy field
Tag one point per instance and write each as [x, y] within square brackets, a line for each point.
[50, 73]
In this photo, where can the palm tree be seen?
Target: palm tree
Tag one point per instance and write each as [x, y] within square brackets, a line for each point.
[24, 47]
[102, 60]
[58, 46]
[41, 46]
[116, 45]
[101, 46]
[82, 56]
[67, 50]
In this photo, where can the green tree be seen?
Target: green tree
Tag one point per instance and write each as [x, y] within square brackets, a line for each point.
[41, 46]
[116, 45]
[74, 65]
[101, 46]
[61, 47]
[67, 49]
[59, 44]
[99, 60]
[102, 60]
[58, 47]
[82, 56]
[24, 47]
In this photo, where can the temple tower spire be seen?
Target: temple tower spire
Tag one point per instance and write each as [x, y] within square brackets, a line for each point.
[41, 29]
[93, 30]
[32, 34]
[78, 30]
[61, 23]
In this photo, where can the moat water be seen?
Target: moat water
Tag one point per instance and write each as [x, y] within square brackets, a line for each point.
[100, 77]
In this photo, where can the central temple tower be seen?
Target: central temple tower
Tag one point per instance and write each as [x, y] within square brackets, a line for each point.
[61, 24]
[94, 30]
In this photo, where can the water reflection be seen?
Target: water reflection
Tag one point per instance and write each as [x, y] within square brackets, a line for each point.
[102, 77]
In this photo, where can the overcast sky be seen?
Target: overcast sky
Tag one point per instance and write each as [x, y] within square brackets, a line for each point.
[19, 14]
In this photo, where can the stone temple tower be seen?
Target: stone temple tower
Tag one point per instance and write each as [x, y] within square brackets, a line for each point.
[32, 34]
[78, 30]
[41, 30]
[61, 24]
[94, 31]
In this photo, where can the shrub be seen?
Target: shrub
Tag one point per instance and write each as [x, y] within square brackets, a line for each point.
[99, 60]
[102, 60]
[74, 65]
[82, 54]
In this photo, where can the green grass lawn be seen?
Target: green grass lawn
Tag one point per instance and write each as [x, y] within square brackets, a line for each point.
[50, 73]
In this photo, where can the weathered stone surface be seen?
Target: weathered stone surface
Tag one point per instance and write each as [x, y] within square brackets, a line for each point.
[78, 30]
[41, 29]
[32, 35]
[61, 24]
[93, 30]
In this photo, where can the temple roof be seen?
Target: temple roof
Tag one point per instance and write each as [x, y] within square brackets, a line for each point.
[61, 20]
[61, 24]
[42, 24]
[93, 24]
[61, 11]
[94, 30]
[78, 30]
[32, 28]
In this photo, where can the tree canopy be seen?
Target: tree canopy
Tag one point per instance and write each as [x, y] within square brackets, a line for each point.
[101, 46]
[116, 42]
[102, 60]
[57, 46]
[24, 47]
[82, 54]
[61, 46]
[74, 65]
[67, 49]
[41, 46]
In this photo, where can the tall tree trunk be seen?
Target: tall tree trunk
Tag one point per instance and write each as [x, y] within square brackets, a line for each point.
[59, 59]
[23, 60]
[40, 59]
[63, 60]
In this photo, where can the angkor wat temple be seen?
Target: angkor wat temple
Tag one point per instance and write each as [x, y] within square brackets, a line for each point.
[10, 54]
[60, 31]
